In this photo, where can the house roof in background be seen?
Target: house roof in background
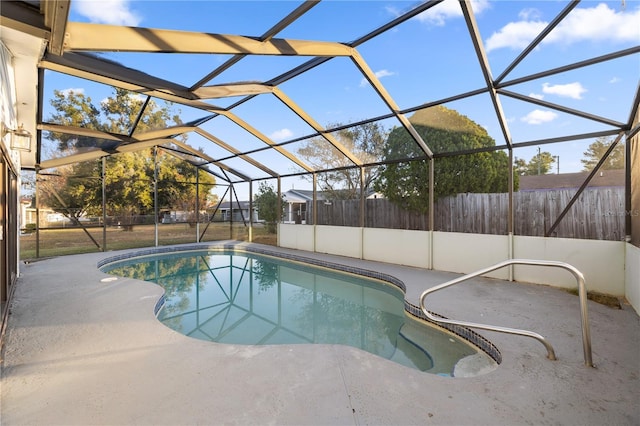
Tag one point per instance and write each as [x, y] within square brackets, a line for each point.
[571, 180]
[301, 195]
[244, 205]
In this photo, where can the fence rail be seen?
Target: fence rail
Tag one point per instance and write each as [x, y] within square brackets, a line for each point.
[598, 214]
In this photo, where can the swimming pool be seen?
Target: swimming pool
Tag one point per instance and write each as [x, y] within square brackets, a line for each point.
[244, 298]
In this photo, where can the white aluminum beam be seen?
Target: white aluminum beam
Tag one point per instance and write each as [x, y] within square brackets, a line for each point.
[229, 90]
[112, 38]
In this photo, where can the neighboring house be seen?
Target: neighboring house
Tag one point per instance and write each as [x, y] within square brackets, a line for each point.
[225, 212]
[237, 212]
[27, 213]
[178, 216]
[48, 217]
[296, 203]
[295, 210]
[604, 178]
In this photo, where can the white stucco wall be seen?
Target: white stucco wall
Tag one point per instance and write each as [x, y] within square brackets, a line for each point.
[299, 237]
[399, 246]
[8, 113]
[632, 276]
[340, 240]
[601, 262]
[465, 253]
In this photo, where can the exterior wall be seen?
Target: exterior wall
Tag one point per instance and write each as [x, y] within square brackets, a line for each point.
[632, 276]
[238, 215]
[10, 215]
[295, 212]
[465, 253]
[340, 240]
[296, 237]
[634, 172]
[601, 262]
[381, 245]
[8, 114]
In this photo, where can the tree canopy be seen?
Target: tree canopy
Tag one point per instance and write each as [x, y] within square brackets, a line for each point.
[596, 151]
[443, 130]
[540, 164]
[76, 190]
[340, 179]
[266, 201]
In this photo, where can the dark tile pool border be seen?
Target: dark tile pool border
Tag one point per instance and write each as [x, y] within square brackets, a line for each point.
[463, 332]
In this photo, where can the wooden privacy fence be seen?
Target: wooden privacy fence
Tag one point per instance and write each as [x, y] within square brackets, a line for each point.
[598, 214]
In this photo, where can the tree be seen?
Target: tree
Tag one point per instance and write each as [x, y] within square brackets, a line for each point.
[339, 179]
[77, 190]
[73, 109]
[443, 130]
[266, 202]
[596, 151]
[539, 164]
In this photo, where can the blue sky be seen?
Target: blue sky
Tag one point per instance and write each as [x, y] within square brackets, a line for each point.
[425, 59]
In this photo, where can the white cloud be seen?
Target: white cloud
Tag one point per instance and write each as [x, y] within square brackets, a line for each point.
[599, 23]
[393, 11]
[438, 15]
[133, 96]
[76, 91]
[538, 117]
[384, 73]
[113, 12]
[571, 90]
[379, 74]
[480, 6]
[615, 80]
[530, 14]
[515, 35]
[280, 135]
[536, 95]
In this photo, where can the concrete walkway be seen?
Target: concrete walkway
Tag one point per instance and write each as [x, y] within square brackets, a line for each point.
[81, 351]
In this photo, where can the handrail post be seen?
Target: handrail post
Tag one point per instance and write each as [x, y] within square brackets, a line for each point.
[582, 294]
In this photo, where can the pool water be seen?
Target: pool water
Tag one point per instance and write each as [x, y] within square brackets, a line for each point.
[243, 298]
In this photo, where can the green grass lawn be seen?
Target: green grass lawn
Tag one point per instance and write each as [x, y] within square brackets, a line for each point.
[59, 242]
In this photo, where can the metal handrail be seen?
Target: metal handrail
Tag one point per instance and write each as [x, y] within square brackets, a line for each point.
[582, 294]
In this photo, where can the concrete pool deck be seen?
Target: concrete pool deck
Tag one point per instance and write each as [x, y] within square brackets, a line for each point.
[79, 350]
